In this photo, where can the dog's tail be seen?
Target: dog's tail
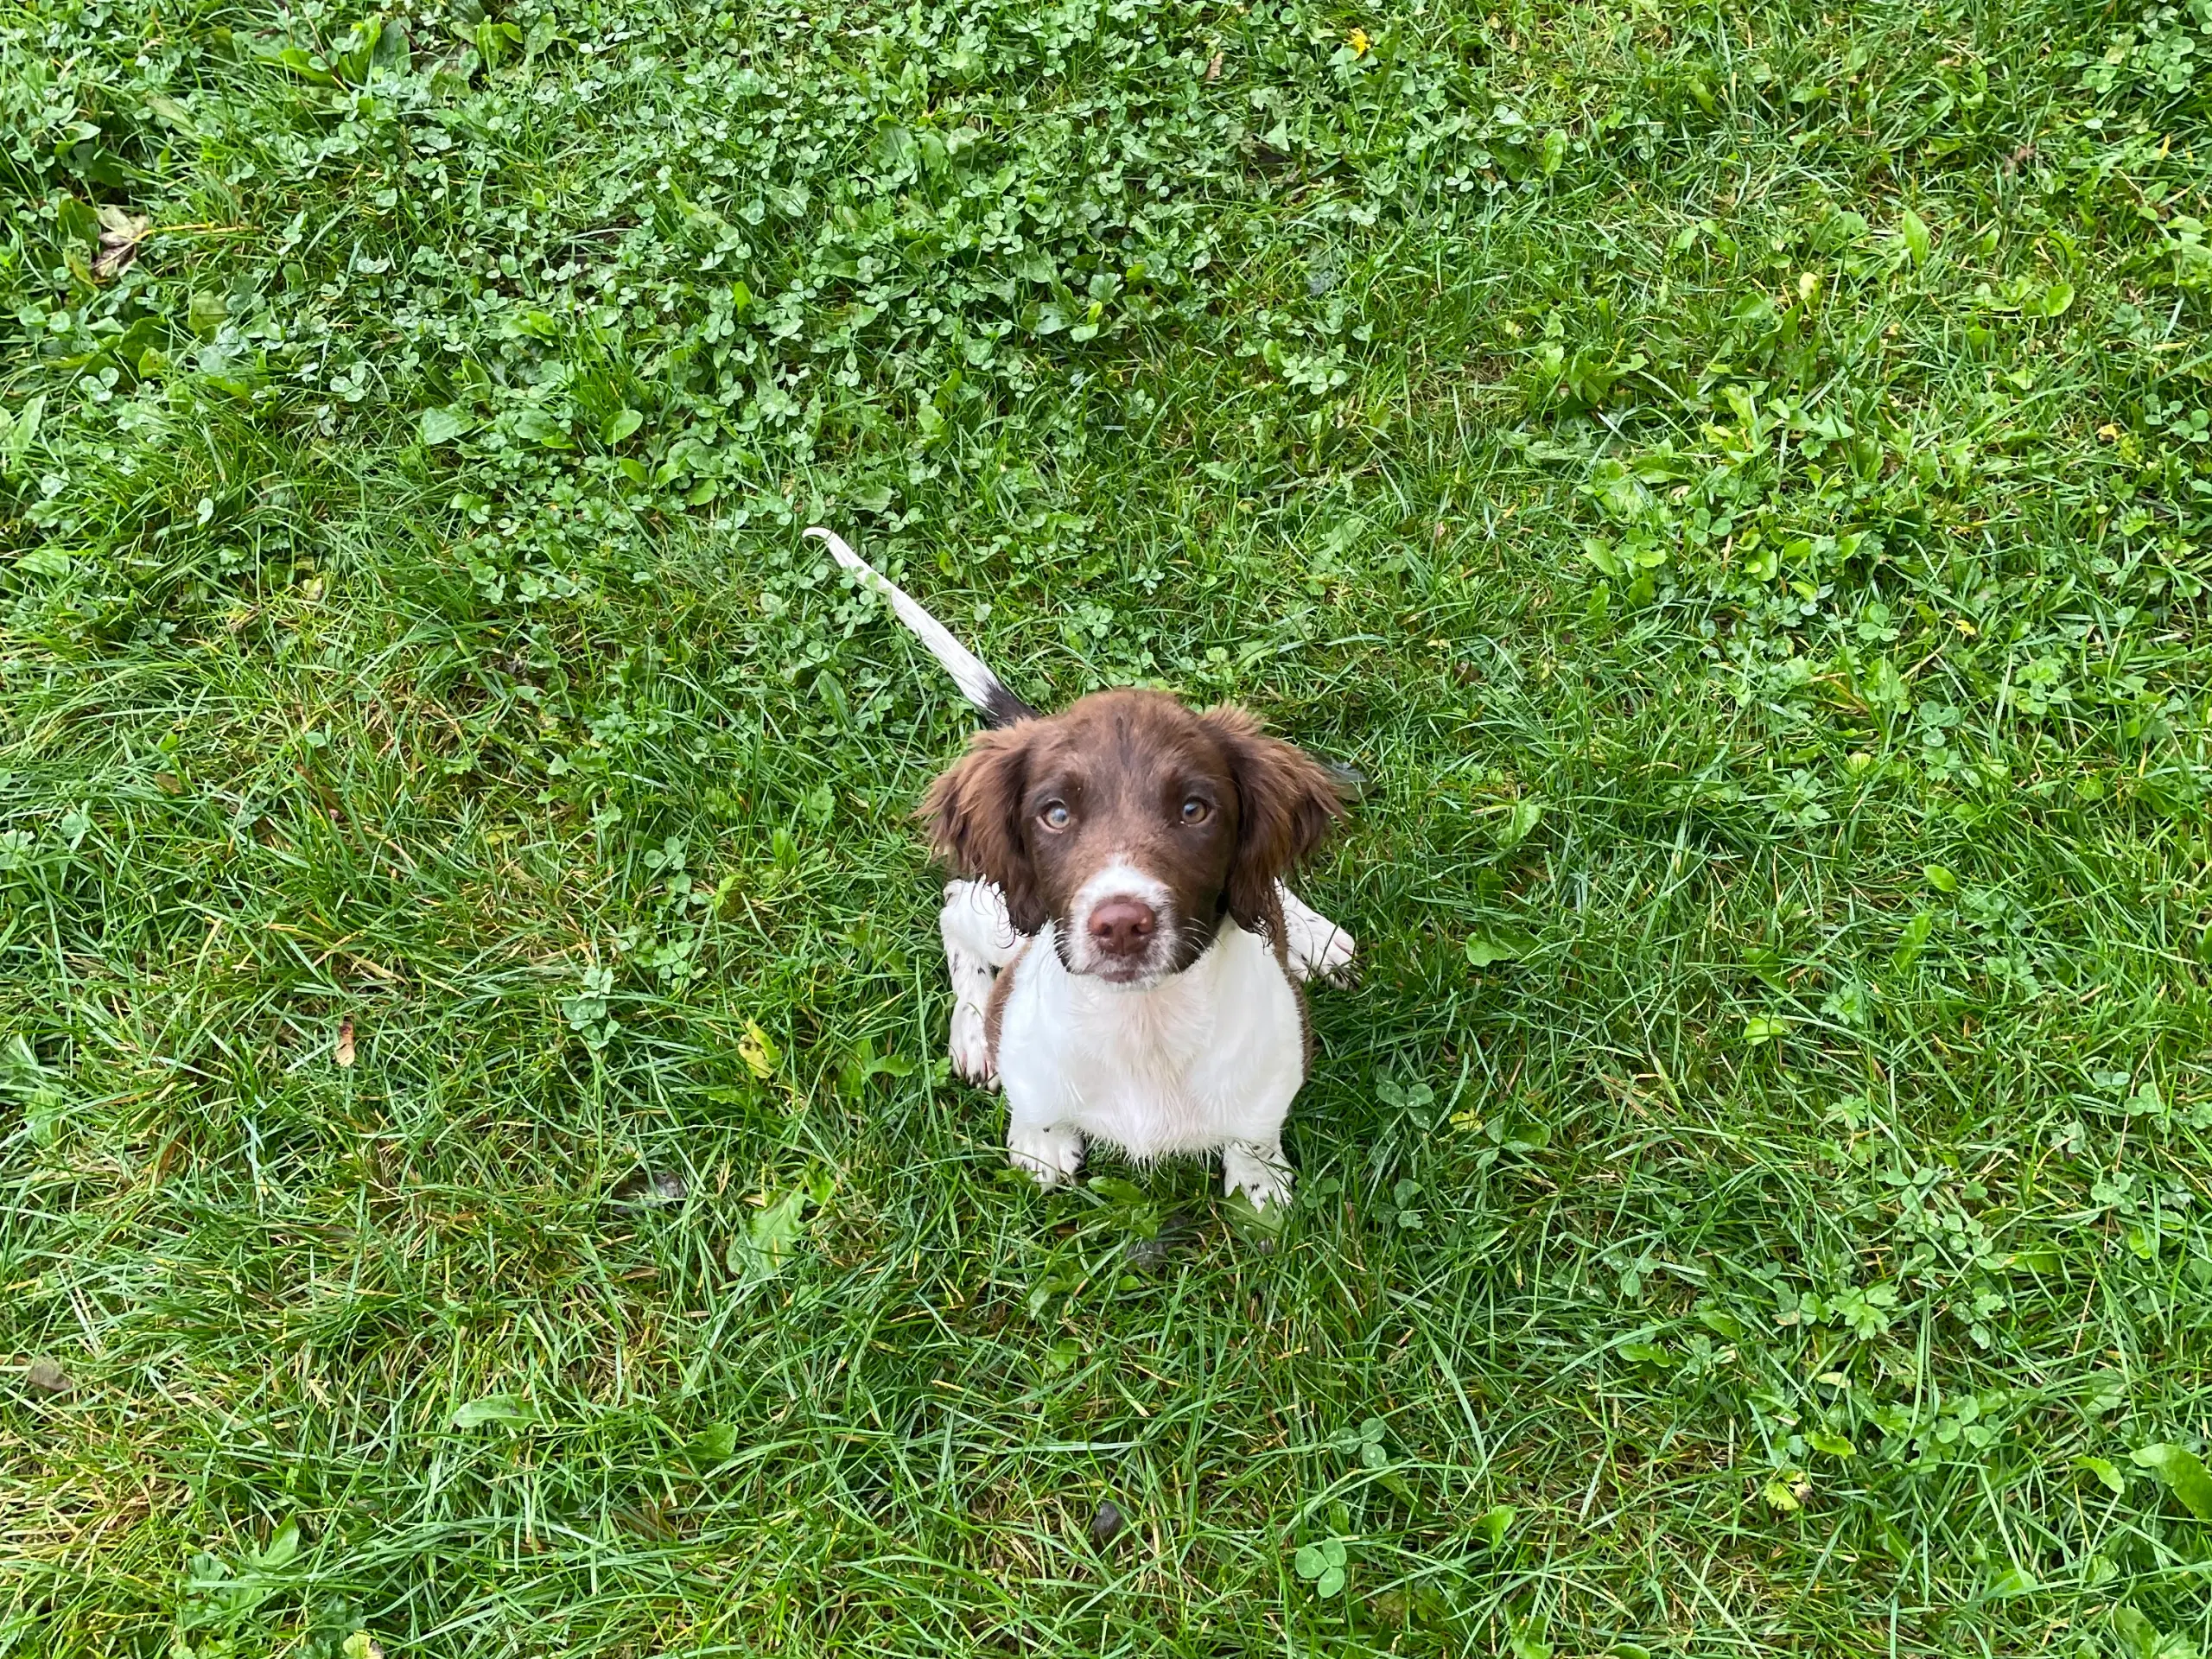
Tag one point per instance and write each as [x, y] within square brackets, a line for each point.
[998, 706]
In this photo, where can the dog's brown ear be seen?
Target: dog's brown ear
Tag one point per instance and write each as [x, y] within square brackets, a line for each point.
[1286, 803]
[973, 811]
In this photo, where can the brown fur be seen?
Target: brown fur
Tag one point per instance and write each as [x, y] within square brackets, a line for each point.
[994, 1005]
[1124, 764]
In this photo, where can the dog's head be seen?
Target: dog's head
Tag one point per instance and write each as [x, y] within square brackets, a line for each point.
[1133, 825]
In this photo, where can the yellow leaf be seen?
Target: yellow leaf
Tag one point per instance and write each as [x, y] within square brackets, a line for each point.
[758, 1051]
[1788, 1490]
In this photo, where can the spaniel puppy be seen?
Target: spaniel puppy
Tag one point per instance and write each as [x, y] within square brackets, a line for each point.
[1125, 960]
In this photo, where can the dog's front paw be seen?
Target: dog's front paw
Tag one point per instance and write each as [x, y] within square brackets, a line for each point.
[1054, 1156]
[1259, 1173]
[971, 1047]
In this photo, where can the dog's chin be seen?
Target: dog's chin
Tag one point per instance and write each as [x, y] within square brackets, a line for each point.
[1169, 957]
[1129, 977]
[1140, 975]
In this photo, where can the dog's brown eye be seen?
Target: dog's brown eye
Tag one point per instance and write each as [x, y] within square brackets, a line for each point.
[1196, 811]
[1056, 816]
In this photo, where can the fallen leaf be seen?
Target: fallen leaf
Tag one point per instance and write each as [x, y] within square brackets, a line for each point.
[343, 1051]
[1213, 67]
[48, 1378]
[507, 1410]
[169, 783]
[759, 1051]
[120, 235]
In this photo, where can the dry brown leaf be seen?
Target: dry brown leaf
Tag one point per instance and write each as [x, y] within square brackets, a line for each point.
[120, 234]
[344, 1053]
[48, 1378]
[1213, 67]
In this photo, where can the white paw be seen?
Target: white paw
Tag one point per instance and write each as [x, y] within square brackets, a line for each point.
[1258, 1172]
[1317, 947]
[1054, 1156]
[1328, 958]
[971, 1047]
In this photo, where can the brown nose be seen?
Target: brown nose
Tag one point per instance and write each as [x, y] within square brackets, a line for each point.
[1122, 927]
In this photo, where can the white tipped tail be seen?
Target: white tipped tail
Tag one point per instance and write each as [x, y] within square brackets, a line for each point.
[998, 706]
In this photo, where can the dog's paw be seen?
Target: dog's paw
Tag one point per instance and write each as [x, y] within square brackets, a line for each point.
[971, 1047]
[1318, 947]
[1054, 1157]
[1258, 1172]
[1333, 964]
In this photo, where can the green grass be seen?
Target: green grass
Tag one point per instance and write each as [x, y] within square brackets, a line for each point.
[1737, 482]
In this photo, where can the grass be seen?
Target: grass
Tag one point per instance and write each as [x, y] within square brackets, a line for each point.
[478, 1174]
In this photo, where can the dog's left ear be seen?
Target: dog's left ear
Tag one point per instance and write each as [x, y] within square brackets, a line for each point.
[1286, 803]
[973, 814]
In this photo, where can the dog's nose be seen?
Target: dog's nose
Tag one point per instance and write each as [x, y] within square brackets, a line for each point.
[1122, 927]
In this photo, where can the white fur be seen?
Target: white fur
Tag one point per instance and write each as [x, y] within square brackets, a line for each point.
[1185, 1064]
[979, 940]
[1318, 947]
[1196, 1061]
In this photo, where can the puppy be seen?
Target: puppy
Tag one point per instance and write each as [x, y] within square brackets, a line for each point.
[1125, 960]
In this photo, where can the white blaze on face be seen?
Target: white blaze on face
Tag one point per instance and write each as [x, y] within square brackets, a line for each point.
[1120, 880]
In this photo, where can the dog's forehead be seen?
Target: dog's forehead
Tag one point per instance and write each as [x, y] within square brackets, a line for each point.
[1132, 730]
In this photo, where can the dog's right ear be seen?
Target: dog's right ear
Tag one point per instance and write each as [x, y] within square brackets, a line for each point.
[973, 811]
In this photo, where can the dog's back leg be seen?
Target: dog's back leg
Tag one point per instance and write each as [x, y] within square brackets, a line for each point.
[1318, 947]
[979, 940]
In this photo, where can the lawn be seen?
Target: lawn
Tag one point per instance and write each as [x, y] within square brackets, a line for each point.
[478, 1173]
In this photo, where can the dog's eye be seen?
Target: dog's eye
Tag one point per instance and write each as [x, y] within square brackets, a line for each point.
[1196, 811]
[1056, 816]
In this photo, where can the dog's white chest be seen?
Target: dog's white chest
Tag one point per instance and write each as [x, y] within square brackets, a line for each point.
[1206, 1058]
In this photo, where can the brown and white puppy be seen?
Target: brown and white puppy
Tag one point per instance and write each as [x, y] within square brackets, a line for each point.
[1125, 960]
